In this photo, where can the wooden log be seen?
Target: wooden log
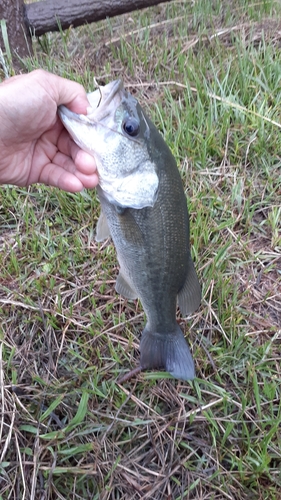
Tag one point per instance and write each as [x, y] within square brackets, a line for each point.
[48, 15]
[13, 12]
[43, 16]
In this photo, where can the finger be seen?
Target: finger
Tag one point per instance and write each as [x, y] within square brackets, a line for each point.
[84, 162]
[54, 175]
[62, 173]
[63, 91]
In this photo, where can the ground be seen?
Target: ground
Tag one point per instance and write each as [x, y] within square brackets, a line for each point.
[208, 73]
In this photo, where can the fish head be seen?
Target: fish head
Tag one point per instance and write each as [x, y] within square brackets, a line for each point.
[116, 133]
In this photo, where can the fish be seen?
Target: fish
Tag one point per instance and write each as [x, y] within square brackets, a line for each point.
[144, 211]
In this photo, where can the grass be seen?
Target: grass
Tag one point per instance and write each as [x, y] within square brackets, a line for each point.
[209, 75]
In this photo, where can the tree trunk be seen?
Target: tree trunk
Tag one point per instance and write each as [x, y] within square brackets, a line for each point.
[44, 16]
[13, 12]
[47, 15]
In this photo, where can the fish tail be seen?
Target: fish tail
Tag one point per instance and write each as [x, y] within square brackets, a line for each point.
[168, 351]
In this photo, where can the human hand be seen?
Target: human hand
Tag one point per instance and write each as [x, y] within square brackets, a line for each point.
[34, 145]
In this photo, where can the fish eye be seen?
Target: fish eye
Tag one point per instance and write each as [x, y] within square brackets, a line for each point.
[131, 126]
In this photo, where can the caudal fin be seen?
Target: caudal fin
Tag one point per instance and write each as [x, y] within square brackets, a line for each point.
[168, 351]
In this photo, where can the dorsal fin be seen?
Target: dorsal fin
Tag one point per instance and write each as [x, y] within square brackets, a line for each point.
[189, 297]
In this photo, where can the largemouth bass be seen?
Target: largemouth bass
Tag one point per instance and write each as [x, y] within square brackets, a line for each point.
[144, 210]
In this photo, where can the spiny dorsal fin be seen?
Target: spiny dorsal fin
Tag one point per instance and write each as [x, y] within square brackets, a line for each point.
[189, 297]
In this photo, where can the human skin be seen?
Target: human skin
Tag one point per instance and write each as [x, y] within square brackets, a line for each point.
[34, 145]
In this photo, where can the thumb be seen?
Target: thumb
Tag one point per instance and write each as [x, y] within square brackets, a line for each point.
[63, 91]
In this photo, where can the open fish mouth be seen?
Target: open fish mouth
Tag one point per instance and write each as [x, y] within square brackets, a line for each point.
[104, 96]
[100, 102]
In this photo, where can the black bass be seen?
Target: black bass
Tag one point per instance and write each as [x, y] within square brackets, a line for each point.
[144, 210]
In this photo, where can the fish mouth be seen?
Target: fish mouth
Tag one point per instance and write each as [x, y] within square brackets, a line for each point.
[101, 101]
[106, 94]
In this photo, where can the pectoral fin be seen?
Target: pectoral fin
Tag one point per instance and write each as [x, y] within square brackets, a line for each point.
[189, 297]
[124, 288]
[102, 231]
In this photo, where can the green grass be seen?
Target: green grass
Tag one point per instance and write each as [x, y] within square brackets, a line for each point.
[209, 74]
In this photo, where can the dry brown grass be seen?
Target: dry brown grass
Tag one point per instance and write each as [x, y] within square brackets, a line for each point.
[68, 428]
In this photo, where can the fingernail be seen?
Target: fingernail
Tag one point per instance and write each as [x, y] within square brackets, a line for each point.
[90, 110]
